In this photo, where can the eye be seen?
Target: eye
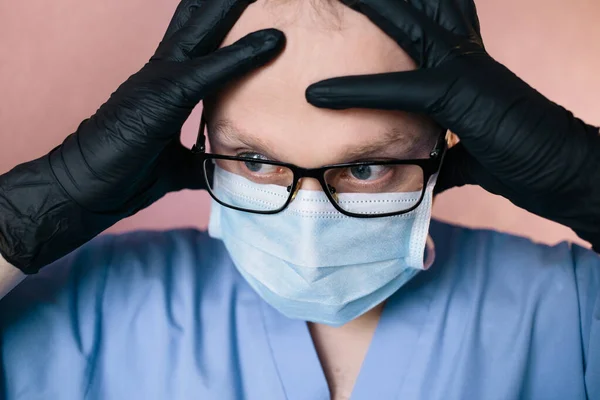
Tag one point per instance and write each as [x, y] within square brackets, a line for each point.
[368, 172]
[258, 167]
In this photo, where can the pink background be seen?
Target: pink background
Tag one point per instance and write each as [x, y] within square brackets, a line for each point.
[61, 59]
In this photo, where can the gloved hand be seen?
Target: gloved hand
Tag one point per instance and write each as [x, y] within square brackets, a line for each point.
[128, 154]
[513, 141]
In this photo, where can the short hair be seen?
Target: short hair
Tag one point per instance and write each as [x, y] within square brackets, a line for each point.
[327, 10]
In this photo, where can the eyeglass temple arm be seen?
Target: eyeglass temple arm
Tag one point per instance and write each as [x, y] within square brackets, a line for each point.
[200, 145]
[440, 144]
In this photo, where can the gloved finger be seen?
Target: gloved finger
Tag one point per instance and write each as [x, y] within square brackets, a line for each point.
[469, 11]
[180, 168]
[455, 16]
[211, 72]
[456, 169]
[181, 16]
[203, 32]
[411, 91]
[409, 27]
[461, 168]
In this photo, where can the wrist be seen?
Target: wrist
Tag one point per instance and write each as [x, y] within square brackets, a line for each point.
[582, 210]
[39, 222]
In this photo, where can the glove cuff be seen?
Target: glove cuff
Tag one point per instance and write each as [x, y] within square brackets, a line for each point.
[39, 222]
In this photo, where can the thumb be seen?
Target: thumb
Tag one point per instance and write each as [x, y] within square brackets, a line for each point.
[456, 169]
[461, 168]
[412, 91]
[179, 168]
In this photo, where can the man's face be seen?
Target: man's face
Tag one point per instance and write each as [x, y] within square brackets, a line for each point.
[267, 114]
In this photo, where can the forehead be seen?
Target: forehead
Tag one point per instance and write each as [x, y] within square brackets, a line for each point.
[322, 42]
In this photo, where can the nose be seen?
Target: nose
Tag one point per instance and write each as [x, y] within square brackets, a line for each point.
[309, 184]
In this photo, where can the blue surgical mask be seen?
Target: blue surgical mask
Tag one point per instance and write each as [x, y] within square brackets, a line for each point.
[312, 262]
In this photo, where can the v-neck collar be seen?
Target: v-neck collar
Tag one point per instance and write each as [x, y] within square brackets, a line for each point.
[386, 364]
[394, 345]
[295, 357]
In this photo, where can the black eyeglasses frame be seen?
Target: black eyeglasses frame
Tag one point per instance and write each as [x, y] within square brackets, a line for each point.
[429, 166]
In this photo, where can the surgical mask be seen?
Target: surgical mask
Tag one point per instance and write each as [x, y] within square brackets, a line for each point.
[312, 262]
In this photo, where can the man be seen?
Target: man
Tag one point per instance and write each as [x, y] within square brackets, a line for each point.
[331, 223]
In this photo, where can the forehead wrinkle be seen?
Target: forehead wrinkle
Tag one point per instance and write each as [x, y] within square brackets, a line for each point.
[225, 130]
[401, 140]
[396, 133]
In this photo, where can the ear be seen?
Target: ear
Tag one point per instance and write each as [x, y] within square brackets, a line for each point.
[452, 139]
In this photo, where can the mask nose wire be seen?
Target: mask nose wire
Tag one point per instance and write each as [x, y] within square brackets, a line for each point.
[296, 190]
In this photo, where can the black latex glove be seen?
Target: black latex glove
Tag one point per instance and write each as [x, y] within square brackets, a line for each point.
[514, 141]
[128, 154]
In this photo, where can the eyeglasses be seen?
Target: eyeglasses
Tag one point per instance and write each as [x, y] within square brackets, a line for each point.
[367, 189]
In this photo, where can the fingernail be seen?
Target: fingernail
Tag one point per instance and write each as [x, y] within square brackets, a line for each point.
[270, 39]
[324, 87]
[317, 95]
[315, 91]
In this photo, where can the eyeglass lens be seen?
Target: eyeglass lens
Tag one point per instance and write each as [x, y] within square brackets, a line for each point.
[361, 189]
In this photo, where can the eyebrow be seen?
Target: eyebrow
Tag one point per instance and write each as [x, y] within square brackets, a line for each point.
[401, 141]
[225, 130]
[398, 139]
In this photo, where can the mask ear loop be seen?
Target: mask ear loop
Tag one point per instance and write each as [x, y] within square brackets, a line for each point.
[429, 253]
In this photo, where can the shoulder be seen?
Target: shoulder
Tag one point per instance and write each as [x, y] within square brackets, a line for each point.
[113, 288]
[555, 289]
[508, 267]
[169, 261]
[117, 275]
[147, 252]
[123, 264]
[493, 248]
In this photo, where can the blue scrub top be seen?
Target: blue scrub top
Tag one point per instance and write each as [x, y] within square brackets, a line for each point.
[165, 315]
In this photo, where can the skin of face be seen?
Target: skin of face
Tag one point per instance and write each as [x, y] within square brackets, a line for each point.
[266, 112]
